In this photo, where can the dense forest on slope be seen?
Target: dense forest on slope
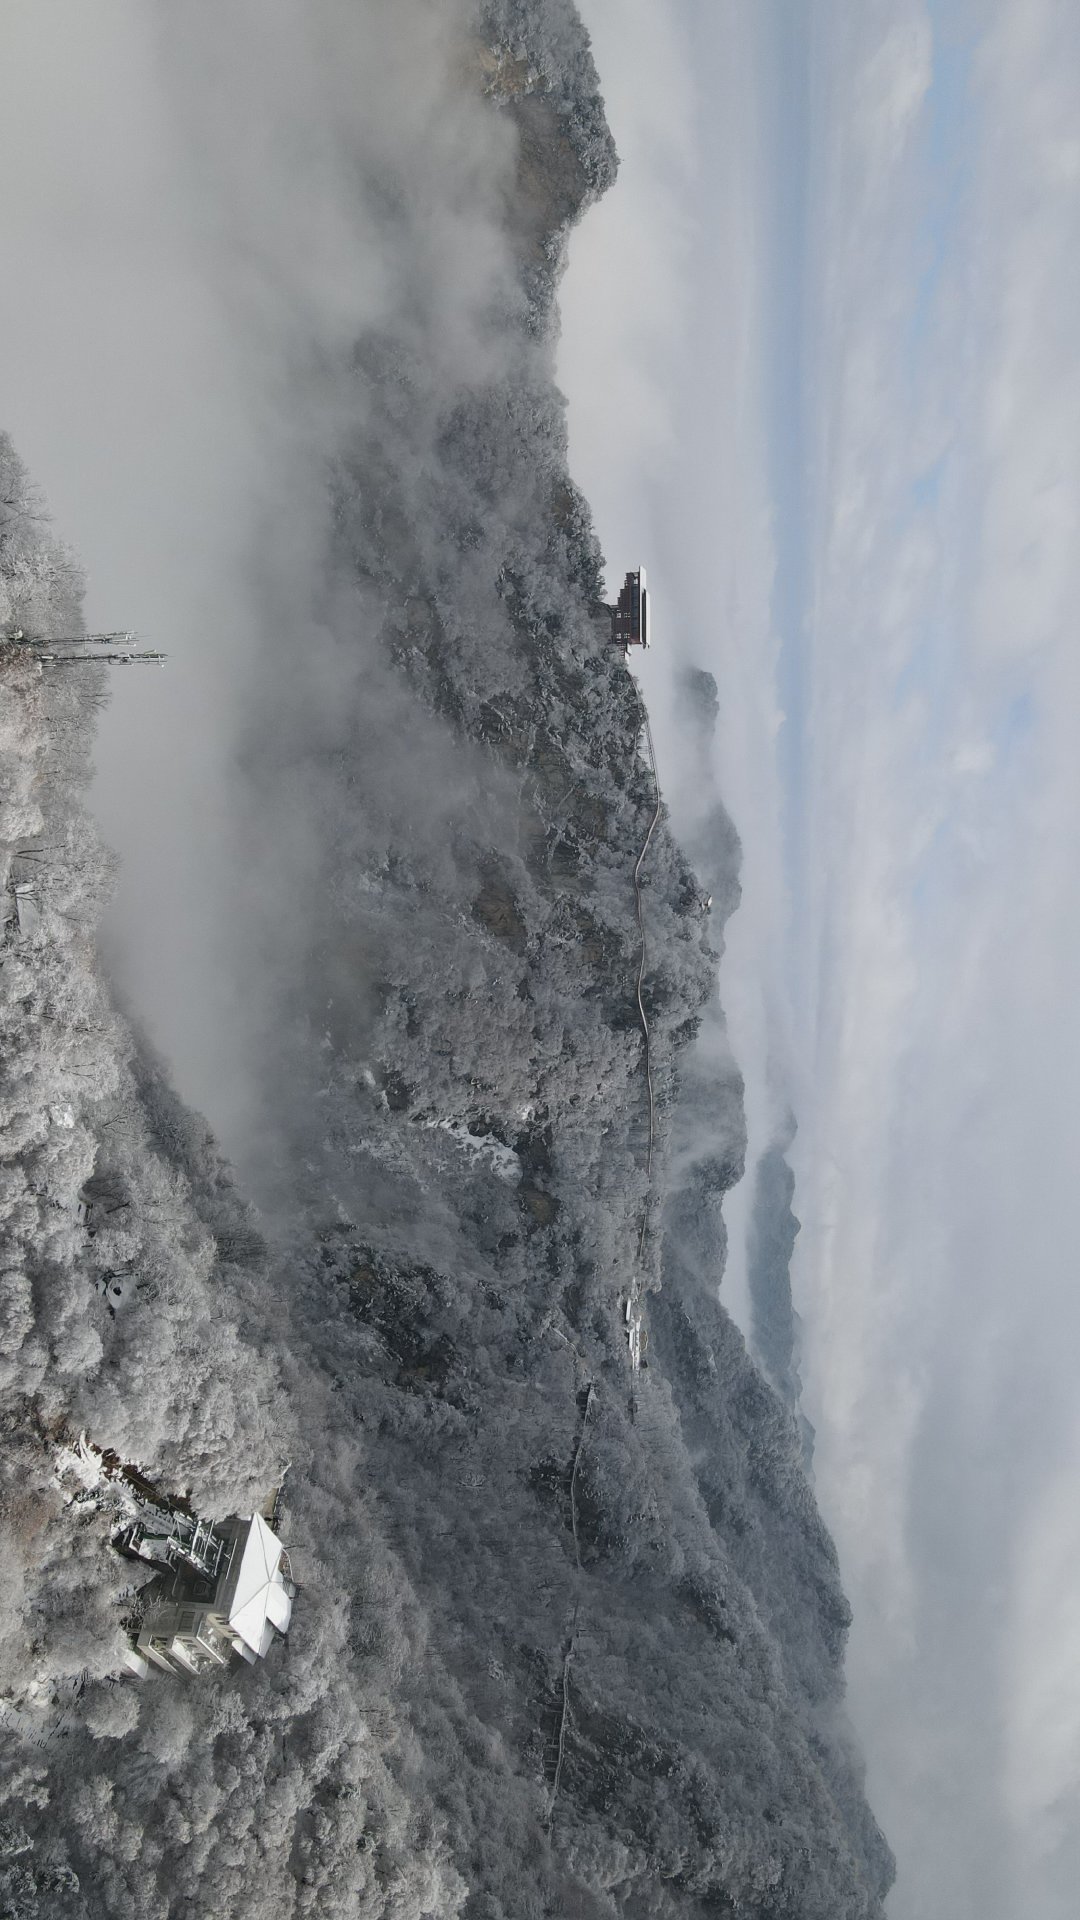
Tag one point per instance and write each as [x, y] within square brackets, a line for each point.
[569, 1638]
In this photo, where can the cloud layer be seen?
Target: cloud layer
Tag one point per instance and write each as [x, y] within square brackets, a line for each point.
[909, 611]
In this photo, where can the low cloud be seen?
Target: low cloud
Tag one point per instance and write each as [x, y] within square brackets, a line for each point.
[667, 439]
[882, 548]
[937, 1115]
[212, 205]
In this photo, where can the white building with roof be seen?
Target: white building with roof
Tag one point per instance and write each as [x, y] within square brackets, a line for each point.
[225, 1590]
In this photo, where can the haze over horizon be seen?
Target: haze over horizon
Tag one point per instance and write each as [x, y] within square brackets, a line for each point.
[854, 478]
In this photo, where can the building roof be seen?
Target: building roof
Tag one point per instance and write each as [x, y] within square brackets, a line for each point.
[27, 911]
[254, 1595]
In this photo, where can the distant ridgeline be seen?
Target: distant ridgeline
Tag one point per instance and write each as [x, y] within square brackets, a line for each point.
[775, 1325]
[713, 845]
[566, 1637]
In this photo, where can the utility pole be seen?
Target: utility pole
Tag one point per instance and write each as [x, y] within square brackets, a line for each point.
[121, 648]
[141, 656]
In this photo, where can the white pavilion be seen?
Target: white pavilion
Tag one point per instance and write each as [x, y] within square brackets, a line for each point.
[226, 1591]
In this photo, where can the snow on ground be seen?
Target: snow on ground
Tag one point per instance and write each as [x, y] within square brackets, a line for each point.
[501, 1159]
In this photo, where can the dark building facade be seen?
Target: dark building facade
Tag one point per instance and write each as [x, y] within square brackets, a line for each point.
[630, 614]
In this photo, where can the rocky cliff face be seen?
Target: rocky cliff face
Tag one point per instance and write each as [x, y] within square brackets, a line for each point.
[570, 1635]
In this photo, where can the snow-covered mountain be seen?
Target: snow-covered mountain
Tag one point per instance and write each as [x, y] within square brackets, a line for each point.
[569, 1632]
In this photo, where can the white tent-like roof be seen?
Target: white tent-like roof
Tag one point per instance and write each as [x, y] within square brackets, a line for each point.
[255, 1597]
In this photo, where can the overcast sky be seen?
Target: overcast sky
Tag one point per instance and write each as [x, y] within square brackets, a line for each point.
[840, 427]
[855, 475]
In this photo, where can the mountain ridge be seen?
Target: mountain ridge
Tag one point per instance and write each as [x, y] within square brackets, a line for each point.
[569, 1638]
